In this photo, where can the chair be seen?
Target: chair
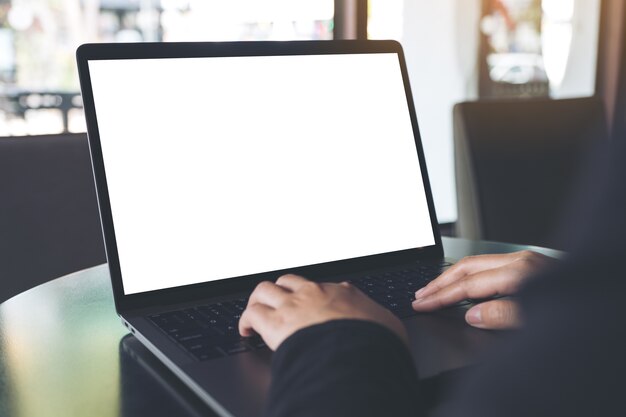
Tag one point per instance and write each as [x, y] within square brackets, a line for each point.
[518, 162]
[49, 221]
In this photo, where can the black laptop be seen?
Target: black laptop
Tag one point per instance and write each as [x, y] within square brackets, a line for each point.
[220, 165]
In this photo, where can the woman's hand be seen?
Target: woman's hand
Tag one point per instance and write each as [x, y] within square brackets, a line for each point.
[276, 311]
[483, 276]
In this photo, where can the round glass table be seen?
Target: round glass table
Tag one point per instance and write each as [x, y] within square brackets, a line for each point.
[65, 353]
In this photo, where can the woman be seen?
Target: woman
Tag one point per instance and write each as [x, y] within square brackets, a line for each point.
[340, 354]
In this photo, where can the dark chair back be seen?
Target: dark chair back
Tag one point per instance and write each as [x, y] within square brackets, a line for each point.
[517, 165]
[49, 221]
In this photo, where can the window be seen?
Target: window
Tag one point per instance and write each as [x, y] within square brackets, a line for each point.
[539, 48]
[39, 90]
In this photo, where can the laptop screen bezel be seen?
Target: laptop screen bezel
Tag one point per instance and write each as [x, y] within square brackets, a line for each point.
[123, 302]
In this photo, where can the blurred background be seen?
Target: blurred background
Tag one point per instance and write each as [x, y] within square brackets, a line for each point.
[457, 50]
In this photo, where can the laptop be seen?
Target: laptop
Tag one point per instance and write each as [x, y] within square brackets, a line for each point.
[221, 165]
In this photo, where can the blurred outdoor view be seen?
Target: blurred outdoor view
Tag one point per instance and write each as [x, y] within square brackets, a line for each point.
[528, 43]
[39, 91]
[523, 52]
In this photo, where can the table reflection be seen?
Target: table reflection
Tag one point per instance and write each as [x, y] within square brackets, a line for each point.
[141, 372]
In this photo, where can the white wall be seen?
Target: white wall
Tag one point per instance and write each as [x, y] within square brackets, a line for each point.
[441, 44]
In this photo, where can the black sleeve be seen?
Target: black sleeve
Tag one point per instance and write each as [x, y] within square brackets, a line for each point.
[570, 357]
[343, 368]
[568, 360]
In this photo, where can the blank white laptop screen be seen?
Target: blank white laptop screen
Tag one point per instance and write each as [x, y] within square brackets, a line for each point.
[224, 167]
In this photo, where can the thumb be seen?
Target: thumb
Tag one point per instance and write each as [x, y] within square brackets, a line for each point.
[495, 314]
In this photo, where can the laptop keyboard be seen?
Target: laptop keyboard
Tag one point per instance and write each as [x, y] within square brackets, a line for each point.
[208, 331]
[211, 331]
[396, 290]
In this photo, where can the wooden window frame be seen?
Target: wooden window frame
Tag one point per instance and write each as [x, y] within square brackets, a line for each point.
[350, 21]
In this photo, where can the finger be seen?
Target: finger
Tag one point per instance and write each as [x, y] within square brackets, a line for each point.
[255, 318]
[469, 266]
[269, 294]
[496, 314]
[333, 286]
[498, 281]
[291, 282]
[466, 266]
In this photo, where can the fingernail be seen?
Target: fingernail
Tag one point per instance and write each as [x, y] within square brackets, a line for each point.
[474, 316]
[419, 292]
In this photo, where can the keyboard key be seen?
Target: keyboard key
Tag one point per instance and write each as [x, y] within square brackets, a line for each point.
[256, 342]
[235, 347]
[204, 353]
[395, 290]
